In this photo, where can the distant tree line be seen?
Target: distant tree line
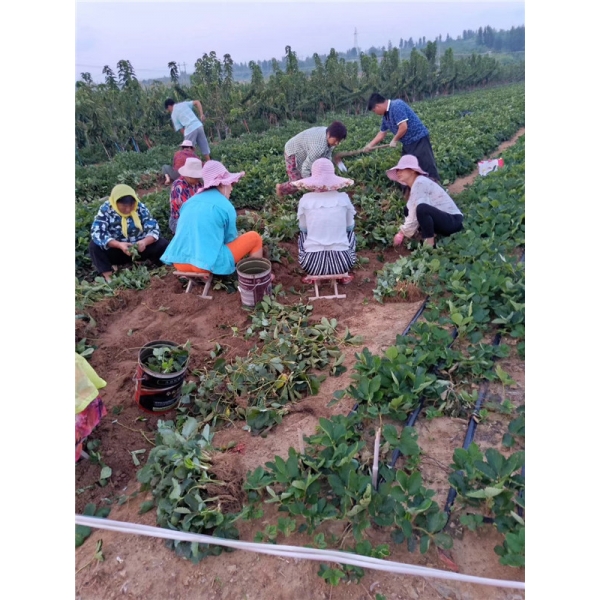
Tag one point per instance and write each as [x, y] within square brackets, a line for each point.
[121, 114]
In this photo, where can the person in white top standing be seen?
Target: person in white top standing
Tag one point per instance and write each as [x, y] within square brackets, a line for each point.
[184, 120]
[326, 243]
[429, 208]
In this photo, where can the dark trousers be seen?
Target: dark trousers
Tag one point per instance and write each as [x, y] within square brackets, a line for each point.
[424, 152]
[432, 220]
[103, 260]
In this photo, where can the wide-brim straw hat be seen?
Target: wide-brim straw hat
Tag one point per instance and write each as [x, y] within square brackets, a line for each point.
[408, 161]
[187, 144]
[214, 174]
[322, 178]
[192, 168]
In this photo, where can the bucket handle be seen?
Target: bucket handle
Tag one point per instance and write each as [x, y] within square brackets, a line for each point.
[253, 287]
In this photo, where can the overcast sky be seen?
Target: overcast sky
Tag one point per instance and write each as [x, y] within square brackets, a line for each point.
[150, 34]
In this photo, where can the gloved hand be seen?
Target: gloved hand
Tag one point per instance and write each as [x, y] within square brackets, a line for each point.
[398, 238]
[393, 143]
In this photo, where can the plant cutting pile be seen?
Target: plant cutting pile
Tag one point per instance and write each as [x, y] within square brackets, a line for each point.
[266, 364]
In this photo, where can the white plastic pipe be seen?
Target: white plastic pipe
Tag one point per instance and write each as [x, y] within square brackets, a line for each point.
[366, 562]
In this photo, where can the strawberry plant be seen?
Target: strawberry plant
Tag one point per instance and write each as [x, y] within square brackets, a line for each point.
[178, 472]
[168, 359]
[332, 479]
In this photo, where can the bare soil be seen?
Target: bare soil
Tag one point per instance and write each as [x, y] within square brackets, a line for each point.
[139, 567]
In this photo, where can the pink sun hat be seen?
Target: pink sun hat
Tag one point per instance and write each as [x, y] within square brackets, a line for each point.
[214, 174]
[408, 161]
[192, 168]
[322, 178]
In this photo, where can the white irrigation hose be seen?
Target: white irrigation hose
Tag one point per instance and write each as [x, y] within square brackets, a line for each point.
[293, 552]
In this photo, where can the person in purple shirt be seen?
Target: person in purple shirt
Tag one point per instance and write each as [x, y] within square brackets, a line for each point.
[401, 120]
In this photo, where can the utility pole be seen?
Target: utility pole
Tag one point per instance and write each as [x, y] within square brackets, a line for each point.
[184, 68]
[356, 40]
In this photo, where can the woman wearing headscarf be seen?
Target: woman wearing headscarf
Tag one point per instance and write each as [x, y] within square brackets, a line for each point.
[89, 408]
[121, 222]
[429, 208]
[207, 239]
[184, 187]
[326, 244]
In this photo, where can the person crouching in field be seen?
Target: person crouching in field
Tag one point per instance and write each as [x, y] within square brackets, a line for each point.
[429, 209]
[121, 222]
[184, 188]
[301, 151]
[326, 243]
[186, 150]
[207, 240]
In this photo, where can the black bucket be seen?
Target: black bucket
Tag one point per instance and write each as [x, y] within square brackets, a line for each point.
[157, 392]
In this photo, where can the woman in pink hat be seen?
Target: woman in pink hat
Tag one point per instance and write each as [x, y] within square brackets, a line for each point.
[184, 187]
[207, 239]
[429, 208]
[326, 244]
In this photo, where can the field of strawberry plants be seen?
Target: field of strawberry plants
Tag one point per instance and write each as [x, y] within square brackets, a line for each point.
[224, 464]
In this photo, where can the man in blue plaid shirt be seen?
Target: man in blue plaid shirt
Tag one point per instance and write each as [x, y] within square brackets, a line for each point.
[401, 120]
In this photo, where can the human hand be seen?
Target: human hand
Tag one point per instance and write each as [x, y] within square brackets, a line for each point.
[398, 238]
[124, 247]
[393, 143]
[367, 148]
[141, 245]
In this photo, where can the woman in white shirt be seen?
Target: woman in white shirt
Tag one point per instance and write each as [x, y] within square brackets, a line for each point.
[326, 244]
[429, 208]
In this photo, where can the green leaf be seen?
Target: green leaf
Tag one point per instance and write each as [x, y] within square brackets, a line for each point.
[443, 540]
[89, 510]
[146, 506]
[190, 428]
[106, 472]
[488, 492]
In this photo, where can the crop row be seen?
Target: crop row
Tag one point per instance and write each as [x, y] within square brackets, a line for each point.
[476, 283]
[464, 129]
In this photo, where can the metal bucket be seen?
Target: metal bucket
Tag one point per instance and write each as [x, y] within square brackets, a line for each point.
[254, 278]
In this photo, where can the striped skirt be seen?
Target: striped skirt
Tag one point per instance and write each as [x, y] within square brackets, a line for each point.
[327, 262]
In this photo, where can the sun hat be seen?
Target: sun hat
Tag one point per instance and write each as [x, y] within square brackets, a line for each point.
[408, 161]
[187, 144]
[192, 168]
[322, 178]
[214, 174]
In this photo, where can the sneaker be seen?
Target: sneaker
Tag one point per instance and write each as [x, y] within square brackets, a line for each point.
[347, 280]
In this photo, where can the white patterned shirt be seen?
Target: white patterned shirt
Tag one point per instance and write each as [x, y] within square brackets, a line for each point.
[426, 191]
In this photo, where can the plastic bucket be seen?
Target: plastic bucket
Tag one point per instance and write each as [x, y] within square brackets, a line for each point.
[254, 278]
[157, 392]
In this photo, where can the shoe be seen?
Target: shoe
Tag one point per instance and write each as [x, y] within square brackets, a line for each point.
[347, 280]
[308, 279]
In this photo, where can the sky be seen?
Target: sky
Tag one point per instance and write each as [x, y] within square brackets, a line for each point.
[151, 34]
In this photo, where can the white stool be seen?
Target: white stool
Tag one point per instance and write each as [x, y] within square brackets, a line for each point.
[316, 279]
[205, 277]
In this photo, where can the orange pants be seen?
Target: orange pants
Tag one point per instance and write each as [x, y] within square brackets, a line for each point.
[247, 243]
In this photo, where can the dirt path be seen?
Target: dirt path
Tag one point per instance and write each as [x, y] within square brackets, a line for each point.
[141, 568]
[460, 184]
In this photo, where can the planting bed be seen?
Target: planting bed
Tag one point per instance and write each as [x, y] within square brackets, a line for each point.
[265, 447]
[140, 567]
